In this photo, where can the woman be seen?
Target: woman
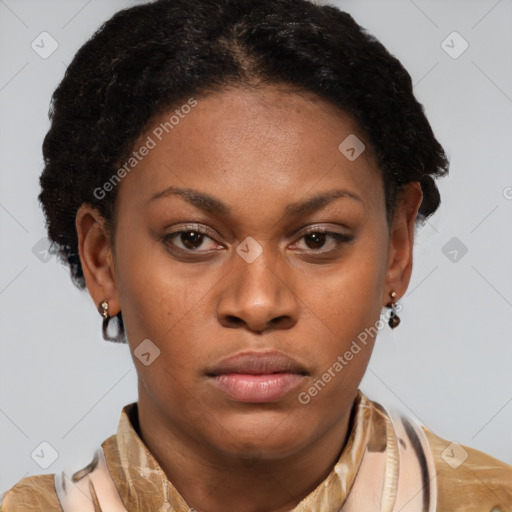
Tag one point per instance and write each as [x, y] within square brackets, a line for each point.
[250, 318]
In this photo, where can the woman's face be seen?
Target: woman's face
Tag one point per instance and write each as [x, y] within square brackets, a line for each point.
[212, 259]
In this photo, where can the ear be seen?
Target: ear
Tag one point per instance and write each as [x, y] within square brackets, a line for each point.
[96, 257]
[402, 240]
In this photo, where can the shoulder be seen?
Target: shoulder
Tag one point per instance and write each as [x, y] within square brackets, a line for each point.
[33, 493]
[468, 479]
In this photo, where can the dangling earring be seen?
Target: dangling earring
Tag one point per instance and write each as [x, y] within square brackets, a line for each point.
[394, 319]
[103, 309]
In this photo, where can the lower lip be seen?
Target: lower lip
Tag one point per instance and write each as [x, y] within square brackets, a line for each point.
[257, 388]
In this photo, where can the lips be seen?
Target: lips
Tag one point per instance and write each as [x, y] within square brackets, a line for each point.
[256, 377]
[257, 363]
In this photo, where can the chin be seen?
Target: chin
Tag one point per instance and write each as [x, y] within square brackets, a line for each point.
[263, 435]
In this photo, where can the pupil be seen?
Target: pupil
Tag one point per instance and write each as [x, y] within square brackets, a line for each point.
[318, 239]
[190, 238]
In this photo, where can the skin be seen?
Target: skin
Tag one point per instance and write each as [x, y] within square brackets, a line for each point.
[256, 150]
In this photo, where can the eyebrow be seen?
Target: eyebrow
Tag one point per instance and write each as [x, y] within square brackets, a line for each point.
[215, 206]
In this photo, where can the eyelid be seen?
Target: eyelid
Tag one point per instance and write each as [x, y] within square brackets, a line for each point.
[320, 229]
[338, 238]
[199, 228]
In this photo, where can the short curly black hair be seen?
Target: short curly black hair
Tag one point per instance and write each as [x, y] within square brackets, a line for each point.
[150, 57]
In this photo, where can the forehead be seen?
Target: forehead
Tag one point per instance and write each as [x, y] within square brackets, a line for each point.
[245, 143]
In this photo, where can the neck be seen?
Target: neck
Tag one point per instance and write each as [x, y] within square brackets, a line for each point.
[210, 480]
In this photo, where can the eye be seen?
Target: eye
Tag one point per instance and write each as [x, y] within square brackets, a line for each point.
[316, 238]
[195, 239]
[190, 239]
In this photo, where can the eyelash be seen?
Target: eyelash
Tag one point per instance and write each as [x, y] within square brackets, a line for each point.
[339, 238]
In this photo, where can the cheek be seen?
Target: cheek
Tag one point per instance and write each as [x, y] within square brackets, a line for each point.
[348, 299]
[164, 302]
[155, 309]
[345, 315]
[344, 344]
[153, 292]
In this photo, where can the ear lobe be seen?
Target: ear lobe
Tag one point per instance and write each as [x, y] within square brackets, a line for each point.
[96, 257]
[402, 240]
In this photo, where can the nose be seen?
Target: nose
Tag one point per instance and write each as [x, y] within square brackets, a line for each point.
[259, 295]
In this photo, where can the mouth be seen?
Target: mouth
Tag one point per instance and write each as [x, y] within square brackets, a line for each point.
[257, 377]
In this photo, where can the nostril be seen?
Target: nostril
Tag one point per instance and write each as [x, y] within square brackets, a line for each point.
[234, 320]
[283, 322]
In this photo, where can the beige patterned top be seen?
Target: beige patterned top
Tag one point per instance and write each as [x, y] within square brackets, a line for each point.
[390, 463]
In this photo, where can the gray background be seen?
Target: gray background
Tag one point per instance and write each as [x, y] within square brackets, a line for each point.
[447, 365]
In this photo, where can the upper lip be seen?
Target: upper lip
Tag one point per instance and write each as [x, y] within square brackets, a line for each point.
[257, 363]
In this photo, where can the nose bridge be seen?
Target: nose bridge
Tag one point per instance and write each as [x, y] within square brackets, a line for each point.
[255, 271]
[255, 290]
[255, 275]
